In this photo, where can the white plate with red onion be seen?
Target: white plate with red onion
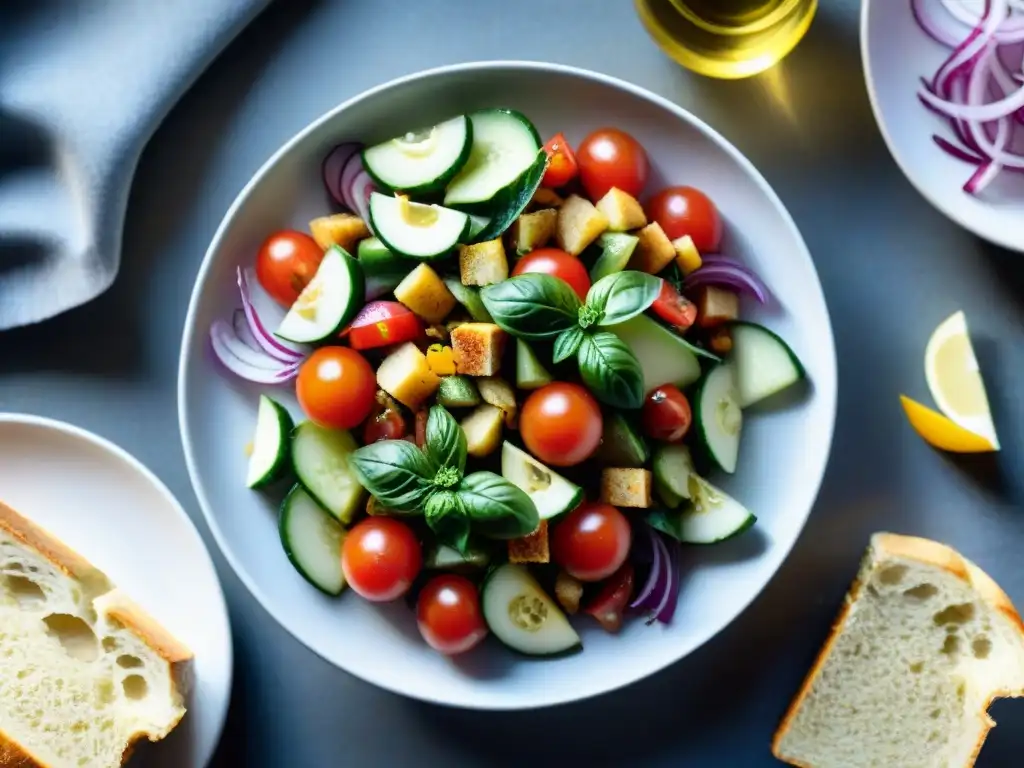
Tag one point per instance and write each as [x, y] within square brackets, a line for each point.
[946, 80]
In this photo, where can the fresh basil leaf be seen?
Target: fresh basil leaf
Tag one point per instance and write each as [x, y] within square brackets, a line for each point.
[446, 443]
[611, 371]
[396, 472]
[448, 520]
[623, 295]
[532, 306]
[668, 521]
[497, 508]
[515, 201]
[567, 343]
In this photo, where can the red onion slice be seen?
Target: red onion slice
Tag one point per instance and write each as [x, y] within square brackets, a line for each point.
[224, 336]
[668, 609]
[244, 332]
[353, 167]
[665, 585]
[244, 369]
[267, 342]
[730, 275]
[333, 165]
[362, 188]
[654, 577]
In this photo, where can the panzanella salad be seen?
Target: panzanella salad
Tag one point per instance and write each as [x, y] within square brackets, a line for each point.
[514, 378]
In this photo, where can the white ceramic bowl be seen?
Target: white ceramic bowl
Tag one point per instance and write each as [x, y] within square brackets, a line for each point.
[897, 54]
[782, 458]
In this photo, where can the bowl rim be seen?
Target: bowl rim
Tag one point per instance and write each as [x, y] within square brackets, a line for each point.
[830, 394]
[950, 211]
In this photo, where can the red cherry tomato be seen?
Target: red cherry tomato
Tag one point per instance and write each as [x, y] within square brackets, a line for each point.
[612, 158]
[666, 414]
[386, 422]
[559, 263]
[562, 166]
[561, 424]
[674, 308]
[610, 603]
[336, 387]
[381, 323]
[592, 541]
[687, 211]
[380, 558]
[448, 614]
[286, 261]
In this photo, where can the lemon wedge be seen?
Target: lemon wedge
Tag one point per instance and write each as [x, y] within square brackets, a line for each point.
[954, 379]
[942, 432]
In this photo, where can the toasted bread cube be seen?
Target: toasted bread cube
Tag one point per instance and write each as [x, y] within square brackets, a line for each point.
[534, 230]
[716, 306]
[654, 252]
[483, 263]
[532, 548]
[579, 224]
[546, 198]
[568, 592]
[344, 229]
[405, 375]
[626, 487]
[500, 394]
[622, 211]
[478, 348]
[483, 430]
[425, 293]
[687, 256]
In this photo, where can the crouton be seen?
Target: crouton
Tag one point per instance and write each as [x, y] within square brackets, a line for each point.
[654, 252]
[483, 263]
[424, 292]
[716, 306]
[534, 230]
[344, 229]
[483, 430]
[687, 256]
[499, 393]
[477, 348]
[622, 211]
[568, 592]
[626, 487]
[545, 198]
[405, 375]
[532, 548]
[579, 224]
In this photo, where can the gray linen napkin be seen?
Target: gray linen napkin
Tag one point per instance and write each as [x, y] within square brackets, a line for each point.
[83, 85]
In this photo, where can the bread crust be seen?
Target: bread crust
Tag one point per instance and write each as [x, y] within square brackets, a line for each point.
[13, 755]
[892, 545]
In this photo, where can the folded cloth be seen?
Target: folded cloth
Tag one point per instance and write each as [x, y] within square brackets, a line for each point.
[83, 85]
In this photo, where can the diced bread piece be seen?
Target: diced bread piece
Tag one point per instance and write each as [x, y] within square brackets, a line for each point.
[622, 211]
[568, 592]
[687, 256]
[924, 643]
[344, 229]
[499, 393]
[406, 376]
[424, 292]
[483, 430]
[477, 348]
[86, 672]
[532, 548]
[654, 252]
[716, 306]
[579, 224]
[626, 487]
[483, 263]
[534, 230]
[546, 198]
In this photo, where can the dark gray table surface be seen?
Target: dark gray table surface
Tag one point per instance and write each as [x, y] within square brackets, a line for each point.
[891, 266]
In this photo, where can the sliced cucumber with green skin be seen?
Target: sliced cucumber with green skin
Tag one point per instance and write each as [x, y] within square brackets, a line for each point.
[477, 224]
[718, 417]
[512, 201]
[764, 363]
[663, 356]
[270, 444]
[312, 540]
[530, 374]
[332, 298]
[673, 466]
[457, 392]
[616, 249]
[505, 144]
[420, 161]
[551, 493]
[469, 297]
[320, 459]
[522, 616]
[445, 558]
[712, 516]
[622, 445]
[382, 269]
[418, 231]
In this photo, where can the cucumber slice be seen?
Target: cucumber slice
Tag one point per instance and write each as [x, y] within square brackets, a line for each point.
[622, 445]
[616, 250]
[382, 269]
[445, 558]
[457, 392]
[270, 444]
[522, 616]
[312, 540]
[530, 374]
[320, 458]
[331, 299]
[713, 515]
[551, 493]
[469, 297]
[673, 466]
[512, 201]
[477, 224]
[423, 160]
[505, 144]
[764, 363]
[415, 230]
[718, 416]
[663, 356]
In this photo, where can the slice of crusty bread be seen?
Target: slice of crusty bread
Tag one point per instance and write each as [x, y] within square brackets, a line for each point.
[924, 643]
[84, 672]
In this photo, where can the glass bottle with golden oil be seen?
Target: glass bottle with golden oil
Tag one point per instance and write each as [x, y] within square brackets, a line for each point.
[727, 38]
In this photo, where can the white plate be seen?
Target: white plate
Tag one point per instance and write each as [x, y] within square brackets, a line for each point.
[897, 54]
[111, 509]
[782, 458]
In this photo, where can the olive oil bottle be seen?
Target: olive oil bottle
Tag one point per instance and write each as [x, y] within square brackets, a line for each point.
[727, 38]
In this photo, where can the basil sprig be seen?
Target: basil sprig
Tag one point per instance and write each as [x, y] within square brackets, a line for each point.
[536, 306]
[432, 481]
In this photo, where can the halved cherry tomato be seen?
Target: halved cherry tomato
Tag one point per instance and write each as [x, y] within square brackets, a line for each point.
[591, 542]
[612, 158]
[562, 166]
[561, 424]
[380, 558]
[609, 604]
[386, 421]
[382, 323]
[666, 414]
[448, 614]
[286, 261]
[687, 211]
[559, 263]
[336, 387]
[674, 308]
